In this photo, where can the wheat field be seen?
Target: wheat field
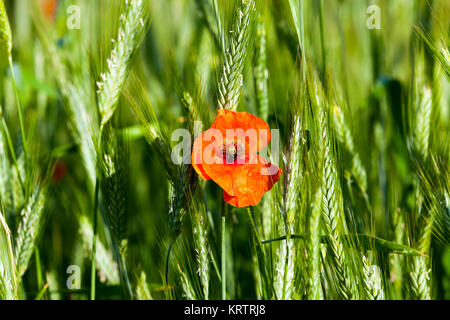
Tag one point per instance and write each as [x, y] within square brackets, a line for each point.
[97, 200]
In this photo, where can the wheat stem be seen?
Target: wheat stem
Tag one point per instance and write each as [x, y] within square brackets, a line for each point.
[94, 241]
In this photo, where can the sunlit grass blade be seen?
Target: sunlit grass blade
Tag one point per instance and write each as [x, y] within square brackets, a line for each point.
[8, 277]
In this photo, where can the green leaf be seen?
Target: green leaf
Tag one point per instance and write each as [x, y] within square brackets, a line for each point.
[41, 292]
[366, 242]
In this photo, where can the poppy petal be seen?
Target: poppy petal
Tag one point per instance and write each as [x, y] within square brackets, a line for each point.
[241, 201]
[244, 121]
[251, 178]
[197, 151]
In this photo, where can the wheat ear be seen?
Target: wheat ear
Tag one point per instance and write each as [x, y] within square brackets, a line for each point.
[30, 226]
[345, 136]
[8, 278]
[129, 38]
[104, 261]
[202, 250]
[6, 194]
[231, 79]
[396, 261]
[113, 171]
[332, 215]
[294, 174]
[5, 32]
[423, 122]
[373, 283]
[261, 73]
[142, 289]
[314, 287]
[420, 270]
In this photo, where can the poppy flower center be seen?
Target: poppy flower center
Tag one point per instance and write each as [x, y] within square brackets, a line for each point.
[231, 151]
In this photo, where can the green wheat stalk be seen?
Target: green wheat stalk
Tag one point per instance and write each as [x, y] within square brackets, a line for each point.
[332, 215]
[439, 51]
[30, 226]
[130, 34]
[113, 184]
[78, 97]
[202, 251]
[423, 122]
[396, 261]
[5, 32]
[286, 263]
[142, 289]
[188, 290]
[420, 285]
[261, 73]
[345, 136]
[373, 284]
[6, 49]
[294, 174]
[153, 133]
[183, 183]
[181, 189]
[6, 193]
[285, 270]
[234, 60]
[113, 172]
[104, 261]
[314, 287]
[8, 277]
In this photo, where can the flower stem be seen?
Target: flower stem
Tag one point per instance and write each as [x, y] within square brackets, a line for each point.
[260, 254]
[223, 239]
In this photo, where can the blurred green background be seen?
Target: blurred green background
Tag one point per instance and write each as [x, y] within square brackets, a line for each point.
[374, 70]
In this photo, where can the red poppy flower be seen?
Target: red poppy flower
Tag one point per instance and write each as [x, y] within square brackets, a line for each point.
[59, 171]
[227, 153]
[49, 9]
